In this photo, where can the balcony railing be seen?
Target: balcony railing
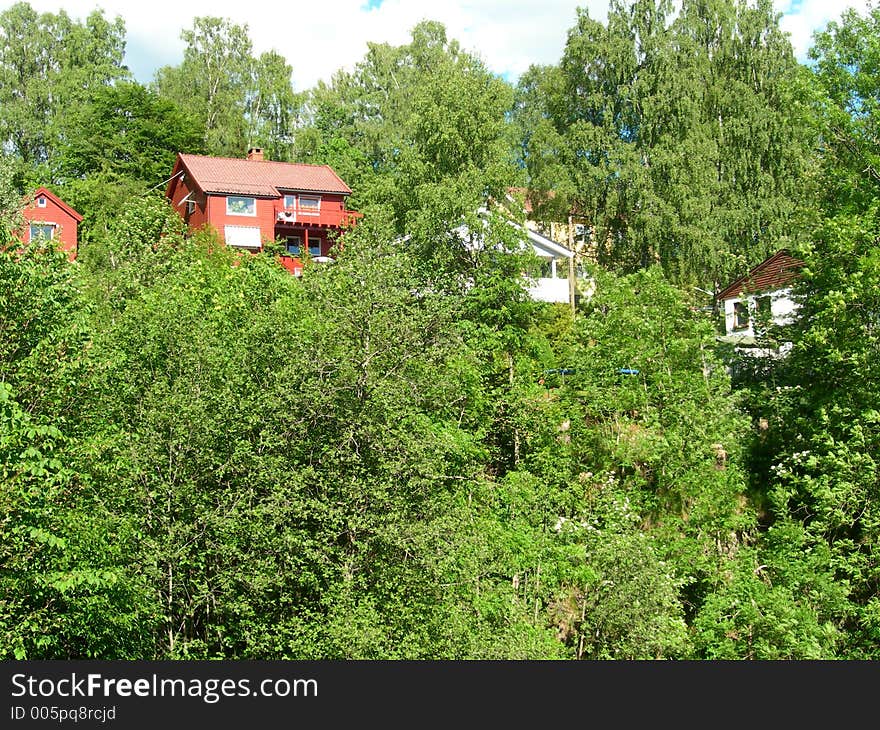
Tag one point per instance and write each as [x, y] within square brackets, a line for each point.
[549, 290]
[324, 218]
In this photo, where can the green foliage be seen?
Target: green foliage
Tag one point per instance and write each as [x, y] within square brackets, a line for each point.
[138, 227]
[682, 142]
[758, 614]
[38, 293]
[273, 108]
[821, 456]
[48, 65]
[265, 535]
[355, 465]
[211, 82]
[816, 460]
[64, 591]
[11, 219]
[63, 588]
[631, 605]
[124, 132]
[420, 129]
[846, 73]
[400, 455]
[654, 475]
[648, 379]
[238, 100]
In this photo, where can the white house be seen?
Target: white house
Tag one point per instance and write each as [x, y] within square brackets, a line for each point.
[555, 283]
[763, 294]
[555, 280]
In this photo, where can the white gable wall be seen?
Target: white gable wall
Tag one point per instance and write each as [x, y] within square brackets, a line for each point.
[782, 310]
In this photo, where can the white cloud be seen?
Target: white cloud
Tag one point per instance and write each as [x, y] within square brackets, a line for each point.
[317, 38]
[801, 18]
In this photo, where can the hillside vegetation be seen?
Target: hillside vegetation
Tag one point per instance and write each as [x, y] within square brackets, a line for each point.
[400, 455]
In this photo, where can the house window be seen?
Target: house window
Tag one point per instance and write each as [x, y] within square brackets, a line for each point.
[42, 231]
[237, 205]
[242, 236]
[314, 247]
[309, 204]
[190, 207]
[289, 202]
[41, 202]
[740, 315]
[294, 245]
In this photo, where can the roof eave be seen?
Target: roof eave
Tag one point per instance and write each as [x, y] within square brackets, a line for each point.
[179, 167]
[736, 288]
[549, 244]
[42, 190]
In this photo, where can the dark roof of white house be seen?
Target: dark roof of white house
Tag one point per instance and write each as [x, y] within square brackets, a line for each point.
[772, 273]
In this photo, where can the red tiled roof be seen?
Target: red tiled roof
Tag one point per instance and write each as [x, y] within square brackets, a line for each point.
[772, 273]
[260, 177]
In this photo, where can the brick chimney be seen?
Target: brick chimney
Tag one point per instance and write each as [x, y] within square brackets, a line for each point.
[256, 153]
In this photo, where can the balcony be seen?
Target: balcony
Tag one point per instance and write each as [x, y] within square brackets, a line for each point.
[325, 217]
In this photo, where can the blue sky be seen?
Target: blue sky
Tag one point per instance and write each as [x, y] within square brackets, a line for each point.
[319, 38]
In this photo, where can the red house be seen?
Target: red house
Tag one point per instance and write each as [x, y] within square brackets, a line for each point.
[250, 201]
[49, 217]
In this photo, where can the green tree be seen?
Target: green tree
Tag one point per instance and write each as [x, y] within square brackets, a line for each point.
[273, 108]
[821, 449]
[422, 128]
[240, 101]
[64, 588]
[10, 203]
[212, 82]
[274, 535]
[48, 65]
[653, 484]
[124, 131]
[119, 144]
[816, 458]
[846, 70]
[682, 142]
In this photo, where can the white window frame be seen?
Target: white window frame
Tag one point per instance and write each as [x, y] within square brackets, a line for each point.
[289, 201]
[41, 201]
[253, 206]
[309, 210]
[37, 224]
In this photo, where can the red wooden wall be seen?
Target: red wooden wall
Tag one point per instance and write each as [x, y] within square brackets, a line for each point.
[66, 225]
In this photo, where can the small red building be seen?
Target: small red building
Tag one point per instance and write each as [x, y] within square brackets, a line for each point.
[250, 201]
[49, 217]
